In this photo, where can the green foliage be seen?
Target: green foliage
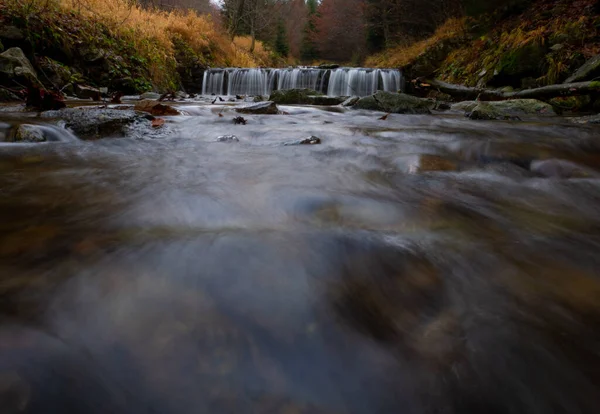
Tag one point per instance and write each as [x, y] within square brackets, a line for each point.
[308, 50]
[281, 43]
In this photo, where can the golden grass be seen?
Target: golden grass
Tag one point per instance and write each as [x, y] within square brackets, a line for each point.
[151, 32]
[404, 54]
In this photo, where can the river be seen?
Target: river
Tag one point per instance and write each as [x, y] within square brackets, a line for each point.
[418, 264]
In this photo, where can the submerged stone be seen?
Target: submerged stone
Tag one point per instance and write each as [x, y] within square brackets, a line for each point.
[294, 96]
[228, 138]
[312, 140]
[504, 110]
[93, 123]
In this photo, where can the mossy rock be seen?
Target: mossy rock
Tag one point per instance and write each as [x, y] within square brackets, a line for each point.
[523, 62]
[294, 96]
[398, 103]
[590, 70]
[510, 109]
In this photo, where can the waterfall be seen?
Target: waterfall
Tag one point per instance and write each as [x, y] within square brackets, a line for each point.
[333, 82]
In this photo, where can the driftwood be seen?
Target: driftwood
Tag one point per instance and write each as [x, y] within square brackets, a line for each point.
[544, 93]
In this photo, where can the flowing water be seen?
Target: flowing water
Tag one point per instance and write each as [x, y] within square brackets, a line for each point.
[332, 82]
[419, 264]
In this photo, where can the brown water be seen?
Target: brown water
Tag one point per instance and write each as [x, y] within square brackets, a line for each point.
[182, 275]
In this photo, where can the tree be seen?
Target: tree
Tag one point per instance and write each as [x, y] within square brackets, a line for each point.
[340, 27]
[309, 50]
[281, 43]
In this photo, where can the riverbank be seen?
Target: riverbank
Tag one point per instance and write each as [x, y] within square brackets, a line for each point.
[117, 45]
[542, 43]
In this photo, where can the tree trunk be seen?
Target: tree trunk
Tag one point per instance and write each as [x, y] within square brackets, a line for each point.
[544, 93]
[253, 35]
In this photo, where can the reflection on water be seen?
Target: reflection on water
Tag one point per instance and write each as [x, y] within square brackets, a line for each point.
[415, 265]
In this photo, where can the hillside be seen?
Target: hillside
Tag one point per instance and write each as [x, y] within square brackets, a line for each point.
[539, 43]
[120, 45]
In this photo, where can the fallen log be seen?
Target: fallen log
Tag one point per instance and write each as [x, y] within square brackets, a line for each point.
[543, 93]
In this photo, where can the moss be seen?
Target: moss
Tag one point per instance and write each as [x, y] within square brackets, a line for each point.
[595, 85]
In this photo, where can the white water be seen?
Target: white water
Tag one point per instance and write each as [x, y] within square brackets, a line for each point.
[336, 82]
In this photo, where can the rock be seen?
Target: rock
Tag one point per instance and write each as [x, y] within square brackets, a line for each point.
[351, 101]
[592, 119]
[259, 98]
[15, 66]
[442, 106]
[398, 103]
[58, 74]
[555, 168]
[29, 133]
[420, 163]
[261, 108]
[155, 108]
[328, 66]
[228, 138]
[11, 33]
[87, 92]
[589, 71]
[293, 96]
[557, 47]
[312, 140]
[522, 62]
[7, 96]
[181, 95]
[92, 123]
[321, 100]
[505, 110]
[150, 95]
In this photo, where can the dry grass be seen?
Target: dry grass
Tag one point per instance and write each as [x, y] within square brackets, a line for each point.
[151, 32]
[402, 55]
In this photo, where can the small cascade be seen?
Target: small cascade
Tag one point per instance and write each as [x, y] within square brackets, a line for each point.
[333, 82]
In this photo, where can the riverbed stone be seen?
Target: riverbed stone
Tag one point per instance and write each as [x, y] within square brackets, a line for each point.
[28, 133]
[261, 108]
[87, 92]
[14, 65]
[351, 101]
[505, 110]
[398, 103]
[155, 108]
[589, 71]
[420, 163]
[93, 123]
[150, 95]
[294, 96]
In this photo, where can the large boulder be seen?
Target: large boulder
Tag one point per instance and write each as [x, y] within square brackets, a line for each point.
[261, 108]
[14, 65]
[294, 96]
[398, 103]
[528, 61]
[589, 71]
[499, 110]
[93, 123]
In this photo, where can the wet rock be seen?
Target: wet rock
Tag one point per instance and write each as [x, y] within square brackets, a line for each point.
[351, 101]
[93, 123]
[328, 66]
[420, 163]
[555, 168]
[312, 140]
[506, 110]
[14, 66]
[29, 133]
[326, 100]
[589, 71]
[442, 106]
[592, 119]
[239, 120]
[228, 138]
[150, 95]
[294, 96]
[87, 92]
[155, 108]
[398, 103]
[261, 108]
[259, 98]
